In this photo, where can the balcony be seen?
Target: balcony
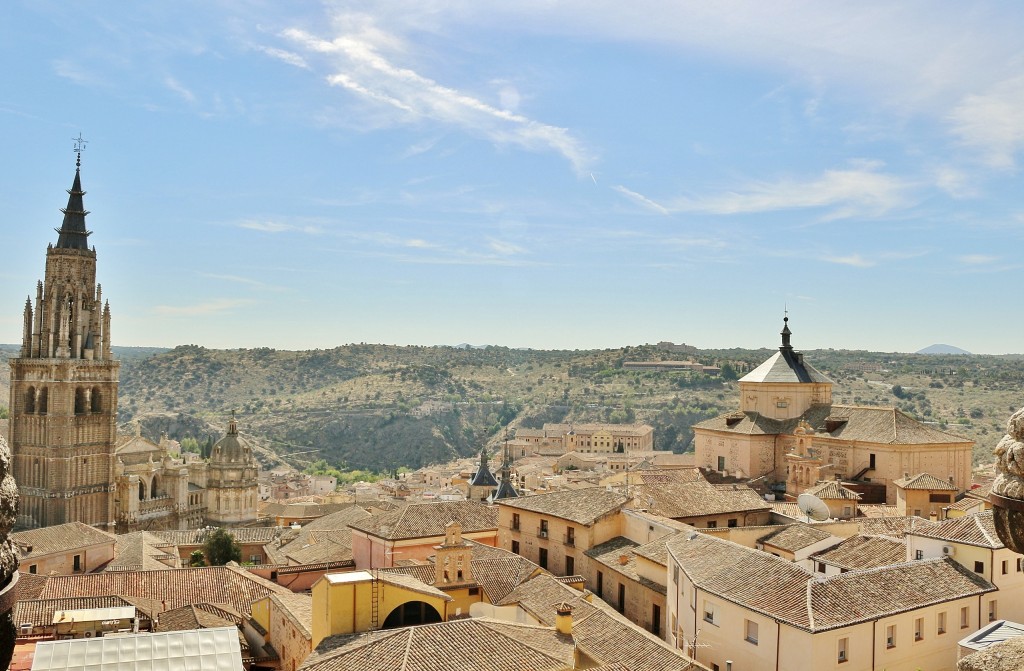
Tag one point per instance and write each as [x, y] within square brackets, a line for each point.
[542, 533]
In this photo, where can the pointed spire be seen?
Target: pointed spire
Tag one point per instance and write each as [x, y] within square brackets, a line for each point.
[232, 425]
[73, 234]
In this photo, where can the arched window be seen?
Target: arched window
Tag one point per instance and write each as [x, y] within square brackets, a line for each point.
[97, 406]
[152, 488]
[79, 401]
[30, 400]
[142, 491]
[42, 400]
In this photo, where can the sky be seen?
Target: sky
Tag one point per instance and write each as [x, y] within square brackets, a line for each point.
[533, 173]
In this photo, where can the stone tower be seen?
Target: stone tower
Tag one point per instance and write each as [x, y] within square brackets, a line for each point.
[232, 480]
[63, 414]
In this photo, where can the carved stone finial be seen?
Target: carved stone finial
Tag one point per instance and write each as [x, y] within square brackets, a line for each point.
[1008, 488]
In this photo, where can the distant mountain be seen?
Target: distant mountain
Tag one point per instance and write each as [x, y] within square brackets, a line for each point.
[942, 349]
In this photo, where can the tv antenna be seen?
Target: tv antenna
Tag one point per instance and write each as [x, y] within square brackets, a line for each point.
[812, 507]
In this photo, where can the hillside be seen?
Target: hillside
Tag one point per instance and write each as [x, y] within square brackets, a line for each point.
[379, 407]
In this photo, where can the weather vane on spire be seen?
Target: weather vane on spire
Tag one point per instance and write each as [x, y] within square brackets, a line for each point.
[79, 147]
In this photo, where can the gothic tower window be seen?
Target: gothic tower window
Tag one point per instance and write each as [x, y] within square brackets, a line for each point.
[80, 402]
[42, 400]
[152, 490]
[30, 400]
[96, 404]
[142, 491]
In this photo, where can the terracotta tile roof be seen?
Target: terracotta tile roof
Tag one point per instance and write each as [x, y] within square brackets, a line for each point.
[786, 509]
[279, 509]
[319, 549]
[894, 527]
[475, 643]
[424, 520]
[411, 583]
[967, 504]
[794, 537]
[59, 538]
[977, 529]
[31, 585]
[143, 551]
[833, 490]
[178, 587]
[783, 590]
[656, 551]
[662, 475]
[616, 553]
[191, 617]
[863, 552]
[599, 631]
[925, 481]
[877, 510]
[886, 426]
[243, 535]
[582, 506]
[298, 608]
[679, 500]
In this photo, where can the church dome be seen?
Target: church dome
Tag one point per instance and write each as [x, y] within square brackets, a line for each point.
[232, 448]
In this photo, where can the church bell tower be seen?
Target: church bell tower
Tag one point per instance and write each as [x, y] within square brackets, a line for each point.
[63, 402]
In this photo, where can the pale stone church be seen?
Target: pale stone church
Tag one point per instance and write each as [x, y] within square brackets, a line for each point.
[69, 463]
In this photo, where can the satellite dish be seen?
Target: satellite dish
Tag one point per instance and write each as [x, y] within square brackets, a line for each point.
[813, 507]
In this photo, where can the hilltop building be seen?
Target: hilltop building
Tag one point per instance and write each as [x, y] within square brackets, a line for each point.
[69, 463]
[789, 432]
[606, 438]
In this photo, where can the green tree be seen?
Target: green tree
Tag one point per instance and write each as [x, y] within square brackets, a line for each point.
[4, 412]
[220, 548]
[197, 558]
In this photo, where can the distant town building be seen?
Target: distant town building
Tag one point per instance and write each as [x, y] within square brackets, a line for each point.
[605, 438]
[788, 431]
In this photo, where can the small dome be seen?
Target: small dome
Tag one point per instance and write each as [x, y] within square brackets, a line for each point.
[232, 448]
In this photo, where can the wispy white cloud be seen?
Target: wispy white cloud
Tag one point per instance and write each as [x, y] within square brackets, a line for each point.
[178, 88]
[362, 69]
[855, 260]
[992, 123]
[237, 279]
[215, 306]
[289, 57]
[977, 259]
[505, 248]
[861, 190]
[76, 73]
[278, 227]
[955, 182]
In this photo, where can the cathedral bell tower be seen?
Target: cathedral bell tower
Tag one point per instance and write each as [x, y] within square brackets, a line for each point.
[63, 414]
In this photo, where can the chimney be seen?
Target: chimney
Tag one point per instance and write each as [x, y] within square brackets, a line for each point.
[906, 476]
[563, 619]
[623, 559]
[950, 478]
[933, 516]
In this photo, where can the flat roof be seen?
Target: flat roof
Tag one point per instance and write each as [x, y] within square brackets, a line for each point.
[214, 649]
[997, 632]
[351, 576]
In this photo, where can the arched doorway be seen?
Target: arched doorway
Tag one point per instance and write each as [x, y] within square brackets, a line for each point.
[411, 613]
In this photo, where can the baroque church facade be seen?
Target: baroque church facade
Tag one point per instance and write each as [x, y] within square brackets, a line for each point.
[68, 460]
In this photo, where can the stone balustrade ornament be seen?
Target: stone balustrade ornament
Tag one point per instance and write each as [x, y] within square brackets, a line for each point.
[8, 556]
[1007, 496]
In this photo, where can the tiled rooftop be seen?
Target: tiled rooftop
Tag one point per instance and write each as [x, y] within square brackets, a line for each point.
[177, 587]
[143, 551]
[582, 506]
[59, 538]
[794, 537]
[475, 643]
[833, 490]
[894, 527]
[925, 481]
[425, 520]
[243, 535]
[298, 608]
[977, 529]
[785, 591]
[679, 499]
[863, 552]
[886, 426]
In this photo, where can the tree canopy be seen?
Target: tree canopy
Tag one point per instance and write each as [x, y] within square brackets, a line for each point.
[220, 548]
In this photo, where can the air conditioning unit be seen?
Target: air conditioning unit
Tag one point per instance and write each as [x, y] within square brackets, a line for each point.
[948, 550]
[542, 533]
[88, 634]
[26, 629]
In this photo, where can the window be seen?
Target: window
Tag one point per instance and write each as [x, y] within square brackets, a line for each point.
[721, 463]
[941, 628]
[847, 511]
[918, 554]
[474, 591]
[819, 566]
[1006, 567]
[919, 629]
[712, 524]
[32, 568]
[992, 610]
[979, 567]
[1020, 564]
[844, 644]
[732, 522]
[964, 617]
[622, 598]
[543, 532]
[675, 574]
[515, 521]
[600, 584]
[543, 559]
[710, 612]
[570, 566]
[78, 563]
[750, 633]
[570, 536]
[515, 547]
[656, 620]
[939, 498]
[254, 559]
[890, 636]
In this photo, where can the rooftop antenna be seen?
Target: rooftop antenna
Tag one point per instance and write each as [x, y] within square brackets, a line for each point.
[812, 507]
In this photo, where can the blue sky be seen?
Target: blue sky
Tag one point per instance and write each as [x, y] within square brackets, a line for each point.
[543, 174]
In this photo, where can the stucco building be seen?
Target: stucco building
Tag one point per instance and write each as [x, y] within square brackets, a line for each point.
[788, 431]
